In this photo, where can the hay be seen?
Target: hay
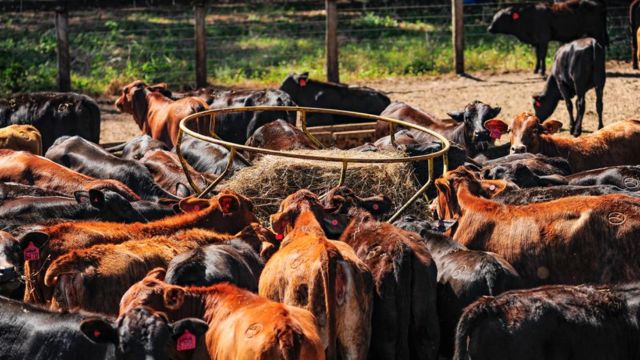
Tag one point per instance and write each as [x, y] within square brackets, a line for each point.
[273, 178]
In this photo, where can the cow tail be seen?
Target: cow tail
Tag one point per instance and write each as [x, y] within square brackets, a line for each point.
[328, 267]
[289, 342]
[471, 316]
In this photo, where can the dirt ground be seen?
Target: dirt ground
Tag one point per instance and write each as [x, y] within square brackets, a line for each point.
[512, 91]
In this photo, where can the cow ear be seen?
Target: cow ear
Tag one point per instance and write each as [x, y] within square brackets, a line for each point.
[228, 203]
[496, 128]
[279, 222]
[193, 204]
[82, 197]
[173, 297]
[182, 190]
[334, 225]
[267, 250]
[456, 115]
[139, 105]
[443, 186]
[157, 273]
[99, 330]
[97, 198]
[36, 237]
[377, 205]
[494, 111]
[195, 326]
[493, 187]
[551, 126]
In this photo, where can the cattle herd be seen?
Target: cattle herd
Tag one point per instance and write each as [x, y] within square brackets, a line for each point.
[530, 249]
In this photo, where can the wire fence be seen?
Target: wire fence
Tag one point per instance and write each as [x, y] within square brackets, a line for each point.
[260, 43]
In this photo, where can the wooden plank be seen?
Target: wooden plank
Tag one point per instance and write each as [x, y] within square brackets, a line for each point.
[201, 44]
[331, 40]
[64, 59]
[457, 27]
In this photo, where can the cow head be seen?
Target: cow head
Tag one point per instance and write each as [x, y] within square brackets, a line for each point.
[544, 105]
[141, 333]
[508, 21]
[226, 212]
[341, 200]
[11, 261]
[284, 221]
[447, 202]
[526, 132]
[473, 116]
[113, 206]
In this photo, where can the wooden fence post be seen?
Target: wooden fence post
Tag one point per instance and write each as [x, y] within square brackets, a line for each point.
[331, 40]
[201, 44]
[457, 34]
[64, 60]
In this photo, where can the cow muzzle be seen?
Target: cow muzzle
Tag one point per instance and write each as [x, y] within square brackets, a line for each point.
[518, 149]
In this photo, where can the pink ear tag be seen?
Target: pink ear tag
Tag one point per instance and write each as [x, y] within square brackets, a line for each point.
[31, 252]
[96, 333]
[538, 103]
[376, 207]
[186, 341]
[334, 222]
[302, 82]
[515, 16]
[279, 237]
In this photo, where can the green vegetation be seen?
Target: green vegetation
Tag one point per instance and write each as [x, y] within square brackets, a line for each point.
[255, 45]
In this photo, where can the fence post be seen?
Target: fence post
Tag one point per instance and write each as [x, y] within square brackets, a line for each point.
[201, 44]
[62, 34]
[457, 32]
[331, 40]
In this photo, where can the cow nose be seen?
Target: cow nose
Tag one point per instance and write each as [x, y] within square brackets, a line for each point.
[7, 274]
[518, 149]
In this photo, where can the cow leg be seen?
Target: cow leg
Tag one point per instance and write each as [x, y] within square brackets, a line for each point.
[599, 106]
[541, 56]
[580, 104]
[535, 71]
[634, 48]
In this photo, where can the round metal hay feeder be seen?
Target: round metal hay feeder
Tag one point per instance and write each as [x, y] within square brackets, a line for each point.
[302, 118]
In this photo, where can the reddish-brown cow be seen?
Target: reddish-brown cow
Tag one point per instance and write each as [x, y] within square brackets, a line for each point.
[571, 240]
[279, 135]
[242, 325]
[615, 144]
[25, 168]
[157, 115]
[227, 212]
[325, 277]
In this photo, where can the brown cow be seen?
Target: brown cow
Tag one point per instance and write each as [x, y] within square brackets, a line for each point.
[615, 144]
[156, 114]
[21, 137]
[95, 279]
[325, 277]
[28, 169]
[571, 240]
[242, 325]
[279, 135]
[225, 213]
[167, 172]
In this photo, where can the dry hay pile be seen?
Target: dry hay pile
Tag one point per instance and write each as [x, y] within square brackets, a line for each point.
[272, 178]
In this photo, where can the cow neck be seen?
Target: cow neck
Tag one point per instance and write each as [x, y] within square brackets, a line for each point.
[440, 245]
[457, 136]
[214, 302]
[553, 146]
[467, 200]
[156, 103]
[306, 223]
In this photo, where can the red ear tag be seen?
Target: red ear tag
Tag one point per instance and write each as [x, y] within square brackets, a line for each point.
[31, 252]
[538, 103]
[279, 237]
[96, 333]
[376, 207]
[196, 208]
[515, 16]
[186, 341]
[302, 82]
[495, 134]
[334, 222]
[226, 205]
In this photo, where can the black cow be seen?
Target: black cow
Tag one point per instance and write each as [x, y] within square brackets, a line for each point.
[540, 23]
[313, 93]
[92, 205]
[238, 127]
[90, 159]
[463, 276]
[10, 190]
[526, 170]
[553, 322]
[625, 177]
[208, 158]
[135, 148]
[542, 194]
[634, 24]
[238, 261]
[53, 114]
[578, 67]
[11, 267]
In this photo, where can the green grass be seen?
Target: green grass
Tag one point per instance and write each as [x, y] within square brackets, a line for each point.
[257, 45]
